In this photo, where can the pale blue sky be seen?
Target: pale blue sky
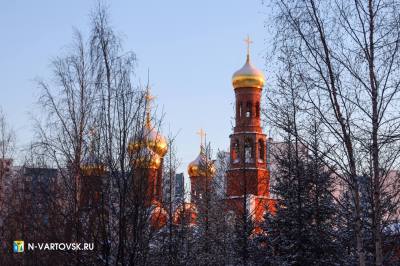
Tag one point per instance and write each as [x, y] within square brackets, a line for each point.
[192, 49]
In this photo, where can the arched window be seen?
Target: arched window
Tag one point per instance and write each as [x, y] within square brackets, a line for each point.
[261, 151]
[248, 151]
[240, 109]
[248, 109]
[235, 151]
[258, 109]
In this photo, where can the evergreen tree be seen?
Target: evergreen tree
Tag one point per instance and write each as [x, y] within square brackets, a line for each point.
[302, 231]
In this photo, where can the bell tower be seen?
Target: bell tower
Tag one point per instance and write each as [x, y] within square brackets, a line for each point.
[248, 176]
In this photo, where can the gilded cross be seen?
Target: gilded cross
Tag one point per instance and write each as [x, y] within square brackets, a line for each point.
[248, 41]
[202, 134]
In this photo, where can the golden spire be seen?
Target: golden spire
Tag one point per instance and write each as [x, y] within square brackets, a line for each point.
[248, 41]
[148, 98]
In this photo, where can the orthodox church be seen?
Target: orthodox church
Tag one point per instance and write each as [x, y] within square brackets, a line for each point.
[247, 178]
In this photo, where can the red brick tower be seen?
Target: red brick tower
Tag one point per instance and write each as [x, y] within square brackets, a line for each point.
[248, 176]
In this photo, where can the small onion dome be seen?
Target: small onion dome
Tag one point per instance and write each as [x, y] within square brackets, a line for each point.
[145, 158]
[248, 77]
[158, 216]
[186, 213]
[152, 139]
[91, 166]
[201, 166]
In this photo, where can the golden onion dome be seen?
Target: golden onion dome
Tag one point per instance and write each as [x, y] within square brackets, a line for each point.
[157, 142]
[148, 149]
[146, 158]
[201, 166]
[151, 139]
[248, 76]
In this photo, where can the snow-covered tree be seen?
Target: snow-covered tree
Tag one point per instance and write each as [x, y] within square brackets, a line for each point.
[302, 231]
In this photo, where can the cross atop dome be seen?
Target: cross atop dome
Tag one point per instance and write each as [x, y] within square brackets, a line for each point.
[248, 41]
[202, 134]
[248, 76]
[202, 166]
